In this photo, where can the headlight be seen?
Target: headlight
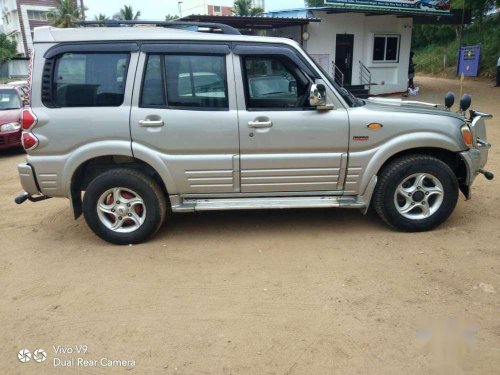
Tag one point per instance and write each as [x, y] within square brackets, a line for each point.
[467, 135]
[10, 127]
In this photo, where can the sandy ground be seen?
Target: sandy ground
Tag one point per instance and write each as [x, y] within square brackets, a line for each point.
[271, 292]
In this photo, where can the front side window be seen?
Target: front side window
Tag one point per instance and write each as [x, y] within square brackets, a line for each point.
[90, 79]
[386, 48]
[274, 83]
[185, 82]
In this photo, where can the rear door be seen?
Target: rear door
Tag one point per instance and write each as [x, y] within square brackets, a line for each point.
[184, 112]
[286, 145]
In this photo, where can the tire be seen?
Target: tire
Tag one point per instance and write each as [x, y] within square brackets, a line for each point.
[407, 196]
[133, 219]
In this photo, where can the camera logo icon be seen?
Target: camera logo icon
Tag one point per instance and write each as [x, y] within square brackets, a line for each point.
[24, 355]
[39, 355]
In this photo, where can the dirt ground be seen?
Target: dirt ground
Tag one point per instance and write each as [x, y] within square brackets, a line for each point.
[271, 292]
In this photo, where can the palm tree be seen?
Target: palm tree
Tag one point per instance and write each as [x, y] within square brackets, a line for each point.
[245, 8]
[169, 17]
[127, 14]
[65, 13]
[101, 17]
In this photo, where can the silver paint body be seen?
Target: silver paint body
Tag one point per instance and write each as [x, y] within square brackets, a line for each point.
[205, 155]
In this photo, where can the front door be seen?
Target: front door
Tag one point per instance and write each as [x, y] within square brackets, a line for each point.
[184, 114]
[285, 145]
[343, 55]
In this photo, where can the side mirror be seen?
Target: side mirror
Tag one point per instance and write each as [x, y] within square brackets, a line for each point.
[317, 96]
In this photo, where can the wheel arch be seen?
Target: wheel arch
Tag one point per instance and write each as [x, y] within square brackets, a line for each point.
[450, 158]
[425, 142]
[93, 167]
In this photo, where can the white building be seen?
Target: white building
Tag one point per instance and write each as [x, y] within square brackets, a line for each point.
[363, 48]
[211, 7]
[20, 17]
[360, 50]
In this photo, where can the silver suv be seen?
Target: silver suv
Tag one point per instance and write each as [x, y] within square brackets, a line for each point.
[143, 120]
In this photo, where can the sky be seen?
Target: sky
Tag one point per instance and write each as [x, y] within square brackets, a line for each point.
[157, 9]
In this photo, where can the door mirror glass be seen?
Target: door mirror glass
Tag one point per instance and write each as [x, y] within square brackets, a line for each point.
[317, 97]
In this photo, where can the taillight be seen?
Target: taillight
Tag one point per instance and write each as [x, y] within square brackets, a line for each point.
[28, 120]
[29, 141]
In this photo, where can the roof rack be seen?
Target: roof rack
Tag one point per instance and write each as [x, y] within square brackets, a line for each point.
[204, 27]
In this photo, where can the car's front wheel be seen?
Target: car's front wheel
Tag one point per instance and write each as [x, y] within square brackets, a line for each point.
[124, 206]
[416, 193]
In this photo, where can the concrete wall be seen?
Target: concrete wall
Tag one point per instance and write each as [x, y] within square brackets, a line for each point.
[14, 69]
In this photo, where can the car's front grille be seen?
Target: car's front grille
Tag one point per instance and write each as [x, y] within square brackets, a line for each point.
[14, 139]
[10, 139]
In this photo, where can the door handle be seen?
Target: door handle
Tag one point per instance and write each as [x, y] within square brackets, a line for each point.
[151, 123]
[260, 124]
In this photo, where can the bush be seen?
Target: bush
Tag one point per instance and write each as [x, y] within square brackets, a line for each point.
[432, 42]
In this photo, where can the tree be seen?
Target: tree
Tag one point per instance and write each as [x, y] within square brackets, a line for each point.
[245, 8]
[82, 9]
[169, 17]
[315, 3]
[127, 14]
[101, 17]
[8, 48]
[65, 13]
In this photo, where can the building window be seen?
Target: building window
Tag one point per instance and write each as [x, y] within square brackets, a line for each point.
[217, 9]
[37, 15]
[386, 48]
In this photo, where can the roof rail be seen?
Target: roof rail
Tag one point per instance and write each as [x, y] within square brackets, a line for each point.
[206, 27]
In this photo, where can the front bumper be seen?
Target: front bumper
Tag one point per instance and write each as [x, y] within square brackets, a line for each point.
[476, 157]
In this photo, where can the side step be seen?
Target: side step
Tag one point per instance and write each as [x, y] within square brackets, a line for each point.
[191, 205]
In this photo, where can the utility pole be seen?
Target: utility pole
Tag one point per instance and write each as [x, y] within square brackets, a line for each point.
[462, 25]
[82, 9]
[179, 4]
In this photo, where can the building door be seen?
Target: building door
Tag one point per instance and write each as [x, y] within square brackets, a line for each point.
[343, 55]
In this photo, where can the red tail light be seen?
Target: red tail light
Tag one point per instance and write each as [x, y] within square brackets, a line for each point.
[28, 120]
[29, 141]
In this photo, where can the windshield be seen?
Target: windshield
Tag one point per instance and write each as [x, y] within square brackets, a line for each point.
[348, 96]
[9, 99]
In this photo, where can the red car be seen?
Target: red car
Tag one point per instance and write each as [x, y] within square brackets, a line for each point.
[11, 105]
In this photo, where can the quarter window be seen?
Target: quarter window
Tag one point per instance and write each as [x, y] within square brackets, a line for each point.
[386, 48]
[90, 79]
[274, 83]
[185, 82]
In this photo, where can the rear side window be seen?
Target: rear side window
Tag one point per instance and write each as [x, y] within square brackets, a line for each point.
[90, 79]
[185, 82]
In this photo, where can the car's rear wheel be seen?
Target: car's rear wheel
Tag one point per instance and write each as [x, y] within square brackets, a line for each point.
[124, 206]
[416, 193]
